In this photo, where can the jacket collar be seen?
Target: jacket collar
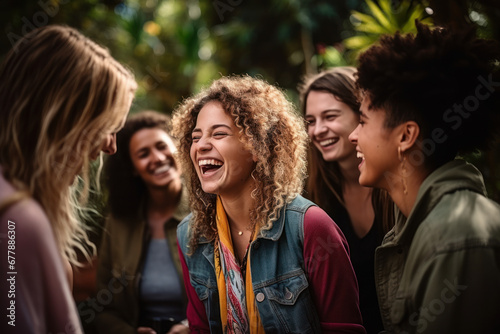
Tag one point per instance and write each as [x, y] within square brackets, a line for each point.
[274, 233]
[452, 176]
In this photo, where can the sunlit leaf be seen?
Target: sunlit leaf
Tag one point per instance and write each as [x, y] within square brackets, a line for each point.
[379, 15]
[357, 42]
[371, 28]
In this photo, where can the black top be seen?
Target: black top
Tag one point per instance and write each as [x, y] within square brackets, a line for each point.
[362, 253]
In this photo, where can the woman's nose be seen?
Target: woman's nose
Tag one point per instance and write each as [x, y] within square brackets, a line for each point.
[353, 137]
[319, 128]
[158, 155]
[109, 145]
[204, 144]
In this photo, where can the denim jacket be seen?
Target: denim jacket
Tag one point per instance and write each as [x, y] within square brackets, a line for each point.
[279, 279]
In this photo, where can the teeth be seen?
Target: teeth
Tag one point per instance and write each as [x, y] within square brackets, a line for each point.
[327, 142]
[360, 155]
[162, 169]
[212, 162]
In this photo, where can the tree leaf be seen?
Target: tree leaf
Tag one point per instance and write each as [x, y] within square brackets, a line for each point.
[379, 15]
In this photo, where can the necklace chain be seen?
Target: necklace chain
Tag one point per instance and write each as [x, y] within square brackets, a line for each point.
[243, 265]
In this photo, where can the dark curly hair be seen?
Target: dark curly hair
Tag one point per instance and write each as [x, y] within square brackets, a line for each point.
[445, 81]
[126, 190]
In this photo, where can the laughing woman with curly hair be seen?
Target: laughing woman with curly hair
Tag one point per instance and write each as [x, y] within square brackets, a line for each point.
[257, 256]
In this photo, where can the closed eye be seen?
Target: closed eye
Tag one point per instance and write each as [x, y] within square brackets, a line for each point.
[143, 154]
[220, 134]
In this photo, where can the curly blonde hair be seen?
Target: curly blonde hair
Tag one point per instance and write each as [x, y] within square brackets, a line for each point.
[272, 130]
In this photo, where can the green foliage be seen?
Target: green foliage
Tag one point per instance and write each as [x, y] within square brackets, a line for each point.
[174, 47]
[383, 19]
[332, 56]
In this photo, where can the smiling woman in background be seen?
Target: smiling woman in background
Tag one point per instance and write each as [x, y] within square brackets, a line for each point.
[331, 110]
[62, 99]
[139, 246]
[257, 257]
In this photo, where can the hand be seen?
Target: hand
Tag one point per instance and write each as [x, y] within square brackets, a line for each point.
[145, 330]
[179, 329]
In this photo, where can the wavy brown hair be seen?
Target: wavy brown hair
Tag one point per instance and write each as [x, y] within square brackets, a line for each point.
[60, 95]
[272, 130]
[324, 183]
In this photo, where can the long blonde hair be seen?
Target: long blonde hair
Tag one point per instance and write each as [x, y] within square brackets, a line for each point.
[272, 130]
[60, 95]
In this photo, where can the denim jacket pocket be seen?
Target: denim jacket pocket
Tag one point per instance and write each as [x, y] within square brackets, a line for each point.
[206, 289]
[203, 287]
[290, 303]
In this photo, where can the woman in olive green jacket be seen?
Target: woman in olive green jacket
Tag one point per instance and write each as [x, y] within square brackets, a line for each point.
[139, 274]
[427, 98]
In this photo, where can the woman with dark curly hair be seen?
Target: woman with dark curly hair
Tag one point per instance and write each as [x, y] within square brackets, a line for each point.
[331, 111]
[427, 98]
[257, 256]
[138, 256]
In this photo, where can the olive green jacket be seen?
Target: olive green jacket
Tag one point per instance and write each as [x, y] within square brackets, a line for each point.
[439, 270]
[121, 257]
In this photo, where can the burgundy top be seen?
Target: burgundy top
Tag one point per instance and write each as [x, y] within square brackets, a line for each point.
[333, 283]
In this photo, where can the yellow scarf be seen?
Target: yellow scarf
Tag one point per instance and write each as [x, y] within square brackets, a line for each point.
[221, 265]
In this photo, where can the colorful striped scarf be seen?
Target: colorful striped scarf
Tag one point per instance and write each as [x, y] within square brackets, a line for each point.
[238, 310]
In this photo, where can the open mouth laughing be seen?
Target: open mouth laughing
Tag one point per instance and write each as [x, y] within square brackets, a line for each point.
[209, 166]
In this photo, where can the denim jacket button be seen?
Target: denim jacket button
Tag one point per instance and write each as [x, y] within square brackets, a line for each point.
[260, 297]
[288, 295]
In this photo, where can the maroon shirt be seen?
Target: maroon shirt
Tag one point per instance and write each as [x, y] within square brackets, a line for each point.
[333, 283]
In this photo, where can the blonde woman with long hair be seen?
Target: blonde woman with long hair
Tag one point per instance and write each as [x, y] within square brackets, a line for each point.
[257, 257]
[62, 99]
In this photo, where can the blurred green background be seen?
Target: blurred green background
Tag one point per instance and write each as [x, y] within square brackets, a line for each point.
[175, 47]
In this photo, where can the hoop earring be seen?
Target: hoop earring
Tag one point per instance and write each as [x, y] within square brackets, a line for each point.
[402, 158]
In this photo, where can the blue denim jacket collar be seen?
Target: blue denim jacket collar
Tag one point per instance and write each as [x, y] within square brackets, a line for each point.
[274, 281]
[276, 230]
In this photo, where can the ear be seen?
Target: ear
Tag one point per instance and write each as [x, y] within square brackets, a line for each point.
[410, 131]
